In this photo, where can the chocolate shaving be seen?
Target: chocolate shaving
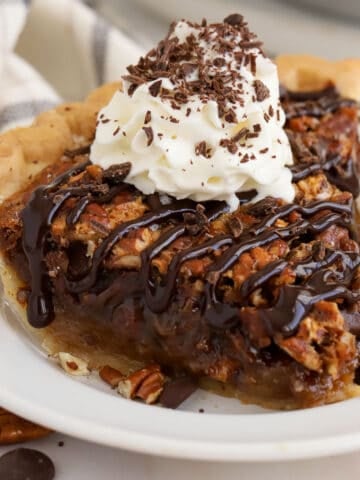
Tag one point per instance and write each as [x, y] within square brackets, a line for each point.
[230, 144]
[115, 174]
[176, 59]
[263, 207]
[154, 89]
[252, 135]
[203, 149]
[250, 44]
[196, 222]
[219, 62]
[147, 118]
[188, 68]
[230, 116]
[240, 134]
[261, 91]
[177, 391]
[149, 134]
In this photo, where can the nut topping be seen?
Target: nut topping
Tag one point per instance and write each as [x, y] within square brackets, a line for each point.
[14, 429]
[73, 365]
[146, 384]
[110, 375]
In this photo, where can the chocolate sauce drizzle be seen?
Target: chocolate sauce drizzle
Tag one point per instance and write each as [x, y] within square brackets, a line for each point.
[314, 103]
[315, 280]
[37, 217]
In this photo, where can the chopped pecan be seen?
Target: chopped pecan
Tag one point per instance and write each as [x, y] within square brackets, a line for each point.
[322, 342]
[14, 429]
[73, 365]
[146, 384]
[236, 226]
[111, 375]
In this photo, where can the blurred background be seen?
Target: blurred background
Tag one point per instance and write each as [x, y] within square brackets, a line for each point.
[330, 28]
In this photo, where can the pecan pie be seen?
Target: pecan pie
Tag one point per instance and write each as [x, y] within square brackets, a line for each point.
[264, 297]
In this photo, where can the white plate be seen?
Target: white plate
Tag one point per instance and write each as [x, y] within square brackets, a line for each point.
[35, 387]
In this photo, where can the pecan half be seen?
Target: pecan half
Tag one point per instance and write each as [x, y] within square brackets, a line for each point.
[14, 429]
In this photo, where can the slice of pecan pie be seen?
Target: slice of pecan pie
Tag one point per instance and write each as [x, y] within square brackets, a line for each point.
[264, 297]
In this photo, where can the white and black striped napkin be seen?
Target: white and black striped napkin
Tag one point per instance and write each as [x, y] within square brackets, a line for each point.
[54, 50]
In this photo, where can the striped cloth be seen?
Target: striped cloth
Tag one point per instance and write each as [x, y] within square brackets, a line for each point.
[73, 48]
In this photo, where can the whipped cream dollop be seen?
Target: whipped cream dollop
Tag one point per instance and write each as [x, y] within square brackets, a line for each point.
[199, 117]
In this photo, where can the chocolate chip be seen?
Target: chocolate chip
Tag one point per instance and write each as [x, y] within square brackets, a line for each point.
[115, 174]
[177, 391]
[234, 19]
[26, 464]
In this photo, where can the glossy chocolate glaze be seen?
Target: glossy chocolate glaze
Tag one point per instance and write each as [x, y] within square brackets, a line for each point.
[314, 281]
[37, 216]
[294, 301]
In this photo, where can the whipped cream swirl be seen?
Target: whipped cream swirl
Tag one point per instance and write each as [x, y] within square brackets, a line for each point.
[199, 117]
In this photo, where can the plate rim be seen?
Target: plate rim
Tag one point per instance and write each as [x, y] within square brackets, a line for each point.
[15, 338]
[185, 449]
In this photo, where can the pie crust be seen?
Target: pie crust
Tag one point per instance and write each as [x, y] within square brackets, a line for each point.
[24, 152]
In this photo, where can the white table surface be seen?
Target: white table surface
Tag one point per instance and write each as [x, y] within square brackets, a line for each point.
[78, 460]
